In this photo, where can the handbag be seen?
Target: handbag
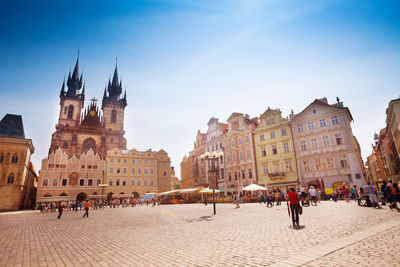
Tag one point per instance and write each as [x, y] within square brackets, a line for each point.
[301, 210]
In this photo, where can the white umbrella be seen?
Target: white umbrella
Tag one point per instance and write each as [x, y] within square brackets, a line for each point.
[208, 190]
[254, 187]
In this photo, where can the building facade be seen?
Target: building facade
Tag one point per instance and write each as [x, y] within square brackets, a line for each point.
[326, 150]
[214, 144]
[240, 163]
[74, 177]
[18, 178]
[275, 157]
[138, 172]
[95, 129]
[393, 133]
[187, 172]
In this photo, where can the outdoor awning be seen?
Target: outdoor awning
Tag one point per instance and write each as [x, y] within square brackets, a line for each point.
[169, 192]
[254, 187]
[208, 190]
[189, 190]
[122, 195]
[55, 198]
[96, 196]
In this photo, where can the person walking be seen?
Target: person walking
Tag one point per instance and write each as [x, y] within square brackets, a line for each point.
[394, 196]
[60, 209]
[371, 191]
[293, 200]
[313, 195]
[270, 199]
[87, 206]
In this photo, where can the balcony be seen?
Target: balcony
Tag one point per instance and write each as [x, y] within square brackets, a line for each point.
[276, 174]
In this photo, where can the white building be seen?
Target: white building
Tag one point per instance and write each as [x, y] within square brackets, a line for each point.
[326, 150]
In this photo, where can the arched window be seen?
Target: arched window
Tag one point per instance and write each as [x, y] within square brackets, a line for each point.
[1, 157]
[14, 158]
[65, 145]
[63, 194]
[89, 144]
[113, 115]
[10, 179]
[70, 111]
[65, 110]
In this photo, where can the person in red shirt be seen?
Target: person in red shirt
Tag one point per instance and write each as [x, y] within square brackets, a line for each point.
[294, 207]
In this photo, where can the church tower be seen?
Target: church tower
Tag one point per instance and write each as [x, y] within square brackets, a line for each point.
[71, 101]
[113, 107]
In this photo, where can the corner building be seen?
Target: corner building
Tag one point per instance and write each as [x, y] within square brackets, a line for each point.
[138, 172]
[18, 179]
[275, 157]
[327, 152]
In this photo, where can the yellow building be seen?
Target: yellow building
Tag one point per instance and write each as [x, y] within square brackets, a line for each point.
[275, 157]
[138, 172]
[18, 179]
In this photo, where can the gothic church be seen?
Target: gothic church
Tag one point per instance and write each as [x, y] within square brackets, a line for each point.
[78, 131]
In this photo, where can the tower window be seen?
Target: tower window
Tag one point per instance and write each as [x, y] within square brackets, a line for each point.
[14, 159]
[10, 179]
[113, 115]
[65, 145]
[65, 110]
[70, 111]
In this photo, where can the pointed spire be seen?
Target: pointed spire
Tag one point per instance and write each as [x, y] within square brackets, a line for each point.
[105, 94]
[125, 94]
[75, 74]
[62, 92]
[84, 87]
[115, 77]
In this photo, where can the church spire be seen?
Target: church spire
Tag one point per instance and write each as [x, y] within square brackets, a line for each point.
[62, 92]
[115, 86]
[74, 82]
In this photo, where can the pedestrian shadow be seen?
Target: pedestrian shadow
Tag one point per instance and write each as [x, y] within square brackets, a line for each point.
[201, 219]
[299, 227]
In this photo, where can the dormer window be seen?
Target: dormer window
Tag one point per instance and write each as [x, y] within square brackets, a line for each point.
[314, 111]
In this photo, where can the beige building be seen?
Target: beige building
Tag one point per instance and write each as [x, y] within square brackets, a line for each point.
[18, 178]
[393, 133]
[240, 162]
[71, 177]
[138, 172]
[275, 157]
[326, 149]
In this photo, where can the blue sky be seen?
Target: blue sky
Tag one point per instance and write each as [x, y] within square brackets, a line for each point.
[185, 61]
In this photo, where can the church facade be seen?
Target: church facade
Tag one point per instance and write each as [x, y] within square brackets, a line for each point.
[95, 128]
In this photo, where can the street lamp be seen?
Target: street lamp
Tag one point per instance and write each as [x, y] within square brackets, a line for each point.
[213, 173]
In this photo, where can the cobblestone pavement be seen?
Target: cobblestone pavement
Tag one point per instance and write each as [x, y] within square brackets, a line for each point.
[335, 234]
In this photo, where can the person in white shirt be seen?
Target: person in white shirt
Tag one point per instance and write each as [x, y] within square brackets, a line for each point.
[313, 194]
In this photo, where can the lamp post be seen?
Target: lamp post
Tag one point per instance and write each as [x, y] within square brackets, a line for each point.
[213, 172]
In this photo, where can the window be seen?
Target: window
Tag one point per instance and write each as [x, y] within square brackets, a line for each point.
[240, 141]
[11, 180]
[265, 169]
[248, 154]
[335, 120]
[236, 175]
[310, 125]
[90, 182]
[234, 157]
[1, 157]
[113, 115]
[124, 182]
[65, 110]
[322, 123]
[314, 111]
[318, 165]
[272, 134]
[330, 162]
[288, 165]
[133, 161]
[246, 139]
[314, 143]
[55, 182]
[303, 145]
[263, 152]
[118, 182]
[112, 160]
[81, 182]
[221, 173]
[229, 176]
[14, 158]
[145, 162]
[300, 128]
[165, 173]
[64, 182]
[243, 175]
[138, 181]
[283, 132]
[145, 170]
[306, 165]
[241, 155]
[274, 150]
[118, 170]
[233, 143]
[227, 145]
[98, 181]
[221, 159]
[110, 182]
[139, 161]
[338, 138]
[286, 147]
[111, 170]
[325, 139]
[151, 182]
[132, 182]
[276, 166]
[165, 164]
[139, 170]
[65, 145]
[124, 170]
[151, 170]
[250, 173]
[228, 158]
[343, 162]
[145, 182]
[70, 111]
[262, 137]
